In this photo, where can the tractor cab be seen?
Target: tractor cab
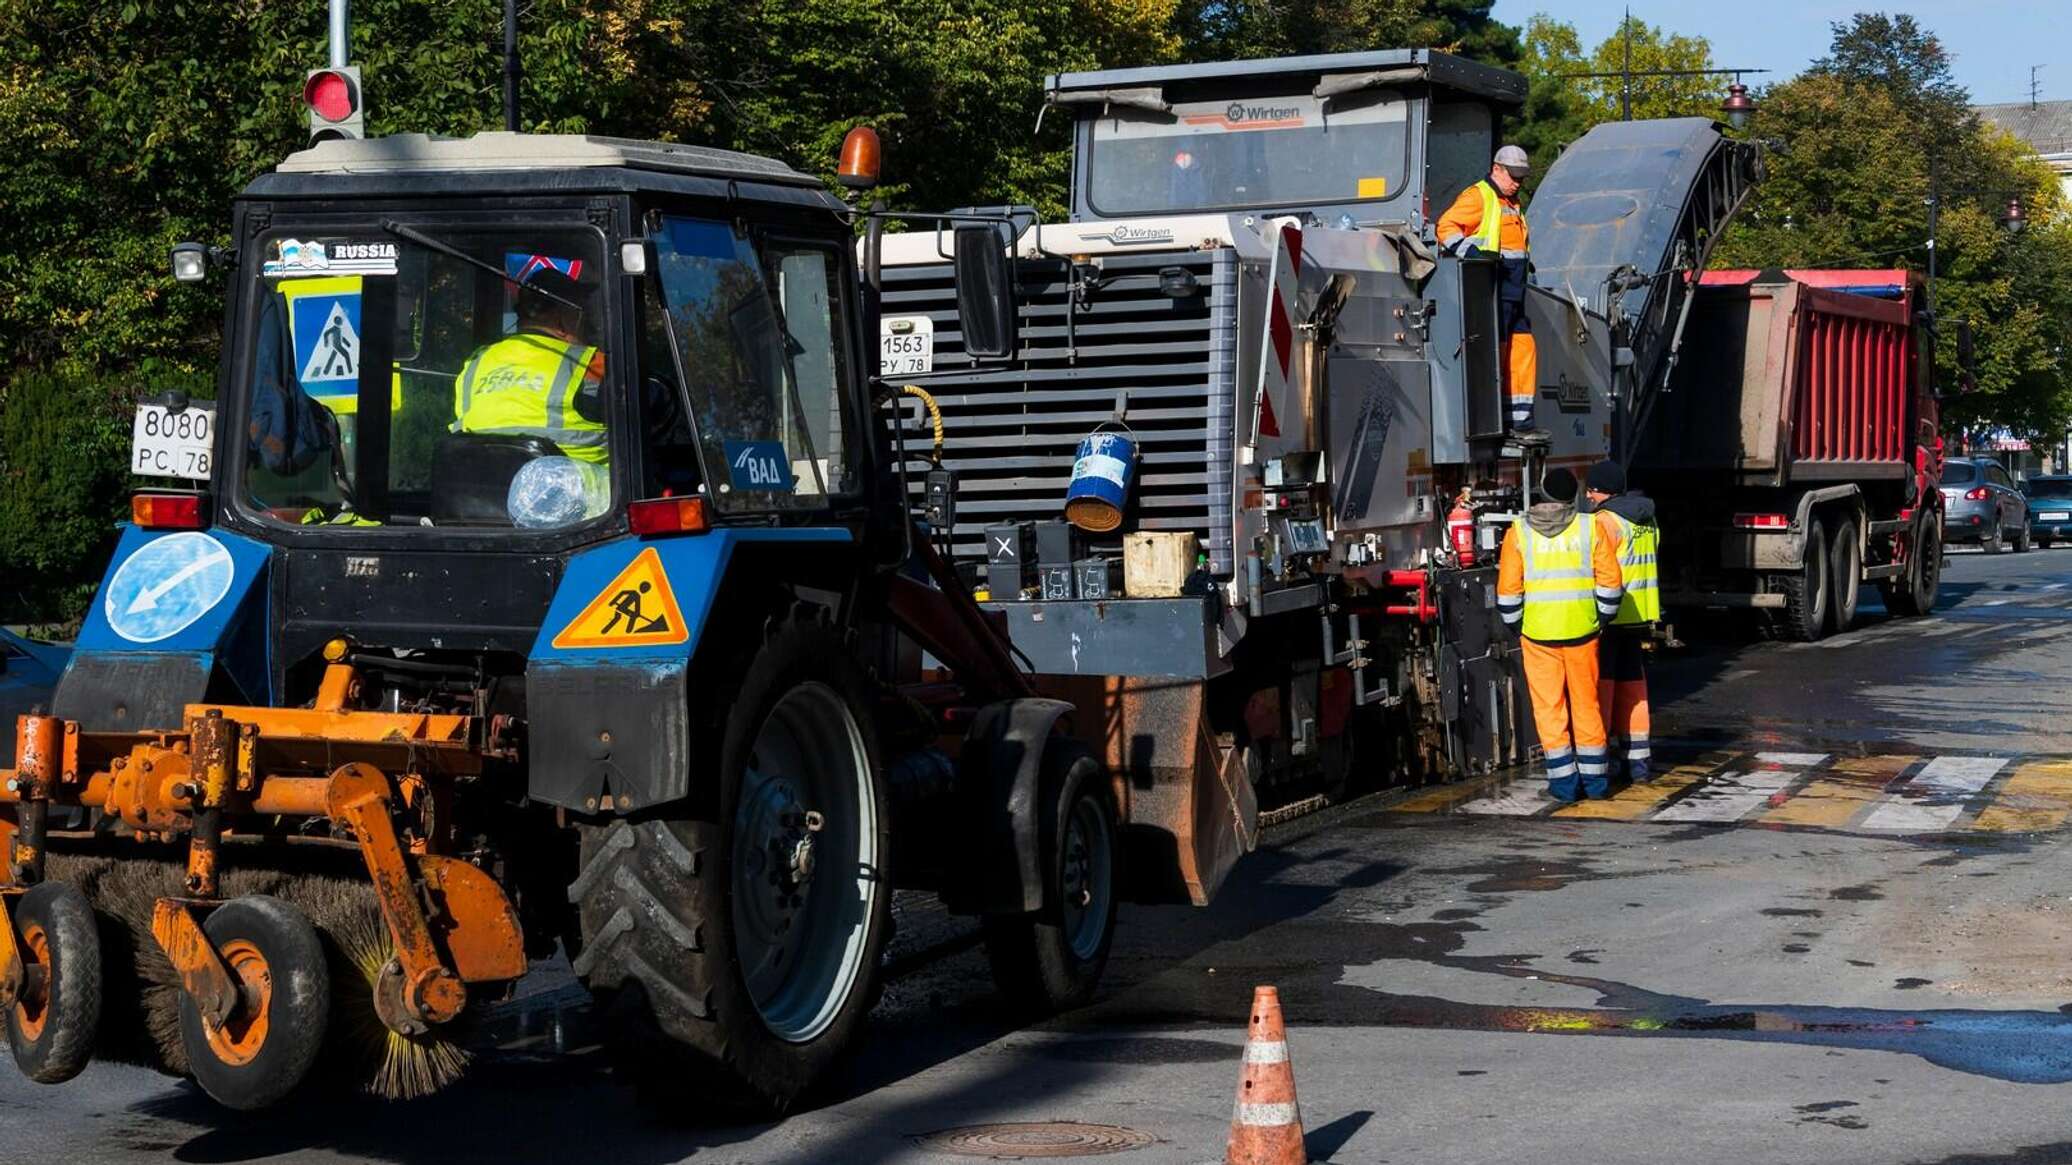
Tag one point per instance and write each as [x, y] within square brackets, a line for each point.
[1352, 137]
[452, 365]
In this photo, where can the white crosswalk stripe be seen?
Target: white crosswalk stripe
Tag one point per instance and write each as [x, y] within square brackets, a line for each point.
[1792, 760]
[1936, 796]
[1930, 794]
[1522, 800]
[1728, 796]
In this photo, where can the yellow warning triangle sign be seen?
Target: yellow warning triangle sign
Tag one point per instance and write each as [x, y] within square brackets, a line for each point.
[636, 609]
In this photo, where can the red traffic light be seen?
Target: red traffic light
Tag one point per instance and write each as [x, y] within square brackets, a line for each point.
[331, 95]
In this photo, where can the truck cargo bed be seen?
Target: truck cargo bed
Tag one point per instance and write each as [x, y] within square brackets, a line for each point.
[1783, 382]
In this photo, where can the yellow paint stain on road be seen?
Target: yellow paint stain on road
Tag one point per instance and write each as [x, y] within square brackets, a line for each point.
[1834, 798]
[1636, 801]
[2037, 796]
[1443, 798]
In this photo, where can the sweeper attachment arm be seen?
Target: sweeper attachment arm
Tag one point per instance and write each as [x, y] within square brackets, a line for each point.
[253, 970]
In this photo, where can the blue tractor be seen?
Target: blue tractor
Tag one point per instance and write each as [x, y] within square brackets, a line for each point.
[548, 582]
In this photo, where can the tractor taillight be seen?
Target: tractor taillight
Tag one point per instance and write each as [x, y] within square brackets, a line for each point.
[657, 516]
[155, 511]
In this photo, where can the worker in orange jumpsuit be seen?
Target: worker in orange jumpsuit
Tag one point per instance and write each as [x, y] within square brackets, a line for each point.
[1558, 584]
[1627, 521]
[1486, 218]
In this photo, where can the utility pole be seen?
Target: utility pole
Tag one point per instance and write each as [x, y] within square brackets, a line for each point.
[2034, 88]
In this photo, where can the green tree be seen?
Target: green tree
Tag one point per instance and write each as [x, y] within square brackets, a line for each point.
[1562, 103]
[1214, 30]
[1860, 143]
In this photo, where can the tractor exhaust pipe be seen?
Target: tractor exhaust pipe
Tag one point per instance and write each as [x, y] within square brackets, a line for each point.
[338, 30]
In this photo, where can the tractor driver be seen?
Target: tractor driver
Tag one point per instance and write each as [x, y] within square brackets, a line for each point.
[541, 380]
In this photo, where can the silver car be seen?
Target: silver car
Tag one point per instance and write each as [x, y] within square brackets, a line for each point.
[1982, 505]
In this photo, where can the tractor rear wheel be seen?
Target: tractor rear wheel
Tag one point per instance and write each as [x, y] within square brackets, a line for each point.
[269, 1042]
[1052, 959]
[53, 1025]
[733, 950]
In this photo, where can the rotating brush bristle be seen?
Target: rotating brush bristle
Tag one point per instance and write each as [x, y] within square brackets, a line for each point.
[141, 1016]
[377, 1059]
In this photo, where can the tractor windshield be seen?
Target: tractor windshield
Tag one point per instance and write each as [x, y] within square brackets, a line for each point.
[1255, 152]
[429, 375]
[757, 323]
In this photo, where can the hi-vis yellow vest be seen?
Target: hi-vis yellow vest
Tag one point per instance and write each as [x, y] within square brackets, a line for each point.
[1560, 586]
[526, 385]
[1489, 236]
[1637, 548]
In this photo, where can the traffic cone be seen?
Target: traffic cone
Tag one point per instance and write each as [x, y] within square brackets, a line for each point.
[1266, 1126]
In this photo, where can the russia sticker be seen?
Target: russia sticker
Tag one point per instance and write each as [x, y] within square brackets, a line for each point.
[635, 609]
[166, 585]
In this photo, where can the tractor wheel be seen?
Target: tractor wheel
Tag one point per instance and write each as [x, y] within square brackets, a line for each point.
[1847, 559]
[271, 1039]
[733, 950]
[1052, 960]
[53, 1025]
[1808, 591]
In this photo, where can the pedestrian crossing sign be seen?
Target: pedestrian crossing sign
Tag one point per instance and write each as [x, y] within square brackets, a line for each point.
[635, 609]
[325, 324]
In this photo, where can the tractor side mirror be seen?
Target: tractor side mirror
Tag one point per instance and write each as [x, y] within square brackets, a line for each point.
[985, 289]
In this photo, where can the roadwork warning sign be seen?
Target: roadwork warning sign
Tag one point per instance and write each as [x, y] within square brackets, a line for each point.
[635, 609]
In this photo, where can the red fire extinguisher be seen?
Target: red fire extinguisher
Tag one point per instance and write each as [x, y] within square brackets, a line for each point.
[1460, 530]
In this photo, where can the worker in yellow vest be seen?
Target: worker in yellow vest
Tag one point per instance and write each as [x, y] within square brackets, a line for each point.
[1486, 218]
[1627, 521]
[541, 380]
[1558, 583]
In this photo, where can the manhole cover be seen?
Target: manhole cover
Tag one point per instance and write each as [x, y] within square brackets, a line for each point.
[1010, 1142]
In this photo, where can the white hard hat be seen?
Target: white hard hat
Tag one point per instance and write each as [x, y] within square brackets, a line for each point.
[1513, 159]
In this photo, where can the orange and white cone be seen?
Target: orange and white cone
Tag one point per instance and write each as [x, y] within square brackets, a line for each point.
[1266, 1125]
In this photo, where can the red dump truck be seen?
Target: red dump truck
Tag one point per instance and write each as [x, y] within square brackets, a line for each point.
[1794, 456]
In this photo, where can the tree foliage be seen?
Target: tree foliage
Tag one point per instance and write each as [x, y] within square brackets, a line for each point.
[1562, 103]
[1860, 143]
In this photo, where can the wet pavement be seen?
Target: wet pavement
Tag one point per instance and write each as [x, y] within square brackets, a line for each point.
[1793, 981]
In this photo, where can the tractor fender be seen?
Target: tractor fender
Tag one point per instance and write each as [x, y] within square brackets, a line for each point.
[1000, 866]
[609, 683]
[176, 612]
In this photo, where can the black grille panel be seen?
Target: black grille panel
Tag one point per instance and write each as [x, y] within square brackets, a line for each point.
[1012, 427]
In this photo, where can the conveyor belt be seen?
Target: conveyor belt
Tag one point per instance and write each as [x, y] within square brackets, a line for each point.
[1622, 219]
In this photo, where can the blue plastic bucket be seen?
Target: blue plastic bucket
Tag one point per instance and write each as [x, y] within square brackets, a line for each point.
[1101, 474]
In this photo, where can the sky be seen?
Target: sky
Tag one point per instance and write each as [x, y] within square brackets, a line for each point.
[1993, 42]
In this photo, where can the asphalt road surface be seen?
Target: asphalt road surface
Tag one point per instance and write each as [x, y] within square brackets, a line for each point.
[1840, 930]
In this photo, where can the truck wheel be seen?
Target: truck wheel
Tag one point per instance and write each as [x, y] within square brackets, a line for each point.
[1915, 592]
[1807, 590]
[732, 950]
[1052, 960]
[272, 1039]
[1848, 574]
[53, 1025]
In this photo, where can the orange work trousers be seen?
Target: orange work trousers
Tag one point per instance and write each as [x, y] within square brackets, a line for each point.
[1563, 683]
[1521, 371]
[1622, 691]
